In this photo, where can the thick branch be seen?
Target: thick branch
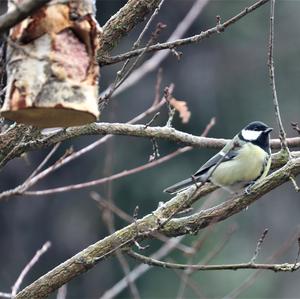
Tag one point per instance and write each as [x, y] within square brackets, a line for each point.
[24, 9]
[132, 13]
[21, 139]
[123, 238]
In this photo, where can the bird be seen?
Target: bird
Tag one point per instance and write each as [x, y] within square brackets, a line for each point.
[241, 163]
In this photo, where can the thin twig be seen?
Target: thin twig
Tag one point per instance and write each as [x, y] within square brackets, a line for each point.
[28, 267]
[62, 292]
[122, 74]
[286, 267]
[296, 187]
[258, 245]
[282, 134]
[252, 278]
[158, 85]
[113, 177]
[189, 40]
[5, 295]
[152, 63]
[150, 122]
[44, 162]
[298, 253]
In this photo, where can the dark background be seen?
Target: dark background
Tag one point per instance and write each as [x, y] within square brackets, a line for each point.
[226, 77]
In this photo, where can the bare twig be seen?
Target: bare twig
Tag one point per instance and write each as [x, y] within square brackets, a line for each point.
[185, 41]
[113, 177]
[251, 279]
[152, 63]
[43, 163]
[5, 295]
[150, 122]
[28, 267]
[293, 180]
[282, 134]
[258, 245]
[158, 85]
[298, 253]
[122, 74]
[273, 267]
[62, 292]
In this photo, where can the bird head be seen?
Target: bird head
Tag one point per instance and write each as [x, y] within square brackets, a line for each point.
[257, 133]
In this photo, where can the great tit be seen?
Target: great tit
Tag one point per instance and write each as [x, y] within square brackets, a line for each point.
[243, 161]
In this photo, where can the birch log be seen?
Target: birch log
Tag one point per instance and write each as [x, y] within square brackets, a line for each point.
[51, 67]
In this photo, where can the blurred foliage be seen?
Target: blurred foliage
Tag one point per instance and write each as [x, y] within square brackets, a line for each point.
[225, 76]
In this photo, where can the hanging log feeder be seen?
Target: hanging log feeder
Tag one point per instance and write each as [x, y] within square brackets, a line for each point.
[52, 73]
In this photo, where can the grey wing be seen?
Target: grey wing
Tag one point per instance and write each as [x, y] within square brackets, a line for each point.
[228, 152]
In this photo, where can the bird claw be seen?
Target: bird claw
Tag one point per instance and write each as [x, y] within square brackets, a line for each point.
[248, 189]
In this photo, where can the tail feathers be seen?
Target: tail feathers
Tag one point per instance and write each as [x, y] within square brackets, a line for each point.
[180, 186]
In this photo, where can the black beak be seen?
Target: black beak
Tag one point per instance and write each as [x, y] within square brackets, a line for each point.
[268, 130]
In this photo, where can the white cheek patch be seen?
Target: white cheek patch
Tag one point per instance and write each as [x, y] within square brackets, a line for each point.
[250, 134]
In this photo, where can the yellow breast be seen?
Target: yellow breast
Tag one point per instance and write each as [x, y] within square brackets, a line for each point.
[251, 163]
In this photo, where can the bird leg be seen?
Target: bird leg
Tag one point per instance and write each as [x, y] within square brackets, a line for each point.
[194, 179]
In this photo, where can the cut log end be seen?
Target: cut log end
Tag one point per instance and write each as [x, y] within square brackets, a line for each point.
[50, 117]
[52, 74]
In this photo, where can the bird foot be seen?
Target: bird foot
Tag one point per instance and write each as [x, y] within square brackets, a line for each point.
[248, 189]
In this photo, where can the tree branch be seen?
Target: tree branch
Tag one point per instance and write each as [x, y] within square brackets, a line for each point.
[286, 267]
[185, 41]
[21, 139]
[149, 224]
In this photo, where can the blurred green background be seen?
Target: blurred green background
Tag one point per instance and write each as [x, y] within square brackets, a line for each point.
[226, 77]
